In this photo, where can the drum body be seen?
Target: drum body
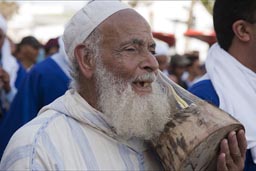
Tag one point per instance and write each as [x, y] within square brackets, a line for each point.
[191, 139]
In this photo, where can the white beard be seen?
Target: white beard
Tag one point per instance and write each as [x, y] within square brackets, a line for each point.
[131, 115]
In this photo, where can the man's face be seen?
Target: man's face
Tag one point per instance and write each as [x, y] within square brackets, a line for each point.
[127, 49]
[179, 70]
[131, 114]
[2, 37]
[130, 98]
[196, 70]
[29, 52]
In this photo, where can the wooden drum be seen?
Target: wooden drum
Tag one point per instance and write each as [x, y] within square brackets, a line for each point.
[191, 139]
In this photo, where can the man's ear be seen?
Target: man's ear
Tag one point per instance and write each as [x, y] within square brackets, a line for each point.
[84, 60]
[242, 30]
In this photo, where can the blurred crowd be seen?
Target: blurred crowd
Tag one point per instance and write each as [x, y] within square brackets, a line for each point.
[32, 75]
[30, 51]
[183, 69]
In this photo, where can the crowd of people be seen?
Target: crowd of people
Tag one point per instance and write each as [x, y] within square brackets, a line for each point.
[184, 69]
[90, 99]
[40, 74]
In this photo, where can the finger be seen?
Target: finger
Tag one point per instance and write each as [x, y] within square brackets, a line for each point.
[242, 143]
[221, 163]
[234, 148]
[224, 148]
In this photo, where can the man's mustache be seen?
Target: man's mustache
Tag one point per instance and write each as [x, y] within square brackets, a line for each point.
[148, 77]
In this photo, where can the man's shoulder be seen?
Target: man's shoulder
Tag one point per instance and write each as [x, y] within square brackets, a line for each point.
[202, 85]
[27, 139]
[205, 90]
[29, 132]
[49, 72]
[44, 66]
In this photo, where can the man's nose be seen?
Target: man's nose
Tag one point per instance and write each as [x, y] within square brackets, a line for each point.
[149, 63]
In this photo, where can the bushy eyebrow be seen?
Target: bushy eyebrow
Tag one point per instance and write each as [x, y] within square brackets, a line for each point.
[137, 42]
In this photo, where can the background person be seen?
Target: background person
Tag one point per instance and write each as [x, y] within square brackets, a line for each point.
[230, 80]
[162, 55]
[11, 73]
[177, 68]
[51, 47]
[43, 84]
[193, 70]
[27, 51]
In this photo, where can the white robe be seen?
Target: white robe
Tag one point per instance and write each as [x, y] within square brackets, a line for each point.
[235, 85]
[69, 134]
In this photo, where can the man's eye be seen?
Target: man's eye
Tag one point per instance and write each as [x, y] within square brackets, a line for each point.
[153, 52]
[130, 49]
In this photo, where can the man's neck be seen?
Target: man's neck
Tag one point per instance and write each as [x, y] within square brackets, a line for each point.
[243, 55]
[89, 93]
[26, 64]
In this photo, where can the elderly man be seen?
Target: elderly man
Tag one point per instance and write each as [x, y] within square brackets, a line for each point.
[115, 104]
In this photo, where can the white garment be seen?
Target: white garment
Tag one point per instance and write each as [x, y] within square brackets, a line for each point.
[236, 88]
[86, 20]
[61, 58]
[3, 24]
[69, 134]
[11, 66]
[162, 48]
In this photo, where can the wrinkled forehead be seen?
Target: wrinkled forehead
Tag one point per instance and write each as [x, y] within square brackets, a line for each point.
[126, 25]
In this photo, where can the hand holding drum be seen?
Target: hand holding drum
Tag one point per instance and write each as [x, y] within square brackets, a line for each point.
[191, 139]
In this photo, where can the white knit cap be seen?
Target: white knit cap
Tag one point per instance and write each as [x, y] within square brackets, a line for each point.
[162, 48]
[86, 20]
[3, 25]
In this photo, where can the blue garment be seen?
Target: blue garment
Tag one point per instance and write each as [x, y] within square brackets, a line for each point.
[44, 83]
[205, 90]
[21, 74]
